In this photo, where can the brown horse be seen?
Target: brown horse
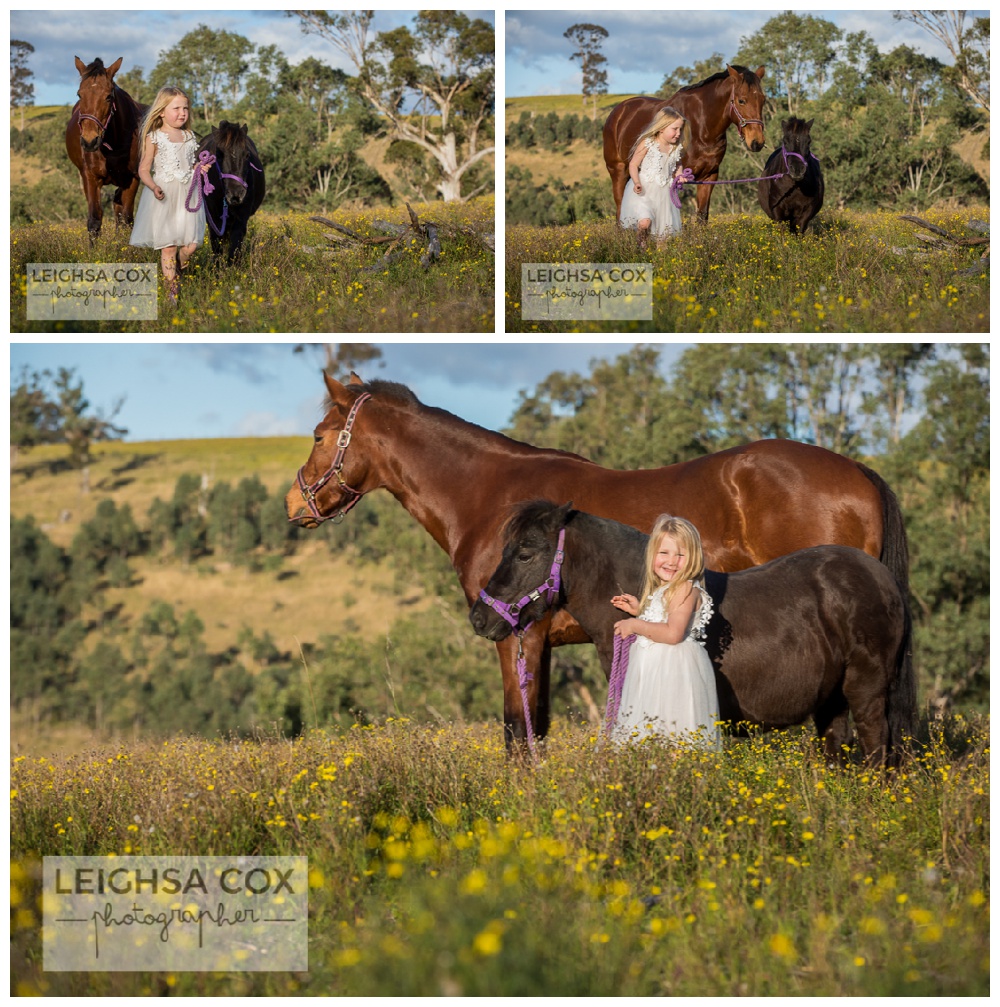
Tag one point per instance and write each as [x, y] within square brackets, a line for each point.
[730, 97]
[102, 140]
[751, 503]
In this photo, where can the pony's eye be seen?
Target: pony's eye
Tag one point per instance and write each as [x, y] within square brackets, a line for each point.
[524, 556]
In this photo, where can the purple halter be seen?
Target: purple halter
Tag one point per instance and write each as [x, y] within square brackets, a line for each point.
[549, 590]
[202, 187]
[335, 470]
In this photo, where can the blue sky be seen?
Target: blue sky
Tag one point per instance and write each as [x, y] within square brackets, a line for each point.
[643, 46]
[182, 390]
[140, 35]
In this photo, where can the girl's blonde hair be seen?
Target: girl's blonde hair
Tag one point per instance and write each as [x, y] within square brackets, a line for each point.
[153, 118]
[693, 567]
[665, 116]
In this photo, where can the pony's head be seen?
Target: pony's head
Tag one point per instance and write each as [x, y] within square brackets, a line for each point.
[796, 140]
[747, 108]
[97, 100]
[232, 152]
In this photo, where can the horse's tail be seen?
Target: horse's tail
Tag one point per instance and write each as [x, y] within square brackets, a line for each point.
[902, 699]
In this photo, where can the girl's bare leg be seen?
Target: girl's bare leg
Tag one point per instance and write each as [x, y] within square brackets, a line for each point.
[643, 230]
[168, 264]
[184, 254]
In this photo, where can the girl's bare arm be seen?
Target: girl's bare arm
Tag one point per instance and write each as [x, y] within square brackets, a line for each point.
[146, 168]
[673, 631]
[633, 168]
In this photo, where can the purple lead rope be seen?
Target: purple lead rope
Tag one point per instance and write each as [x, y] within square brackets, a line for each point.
[619, 665]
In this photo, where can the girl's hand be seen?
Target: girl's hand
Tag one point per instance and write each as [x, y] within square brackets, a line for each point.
[638, 188]
[627, 603]
[626, 627]
[158, 192]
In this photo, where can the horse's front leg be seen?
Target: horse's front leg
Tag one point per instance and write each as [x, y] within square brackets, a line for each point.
[619, 179]
[704, 197]
[95, 212]
[125, 203]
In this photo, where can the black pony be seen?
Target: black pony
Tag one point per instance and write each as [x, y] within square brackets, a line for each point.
[795, 197]
[228, 161]
[816, 633]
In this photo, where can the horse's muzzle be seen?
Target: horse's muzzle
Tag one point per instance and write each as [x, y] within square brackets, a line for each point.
[487, 624]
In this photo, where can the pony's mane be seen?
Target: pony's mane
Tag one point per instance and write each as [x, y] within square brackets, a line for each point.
[528, 514]
[796, 125]
[749, 77]
[227, 132]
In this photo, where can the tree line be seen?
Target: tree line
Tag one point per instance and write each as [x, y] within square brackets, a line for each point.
[917, 413]
[310, 121]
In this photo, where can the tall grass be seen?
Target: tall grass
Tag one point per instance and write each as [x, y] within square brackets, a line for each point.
[293, 279]
[438, 866]
[852, 272]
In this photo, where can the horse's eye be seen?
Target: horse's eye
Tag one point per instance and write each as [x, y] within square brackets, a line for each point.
[743, 101]
[524, 556]
[317, 438]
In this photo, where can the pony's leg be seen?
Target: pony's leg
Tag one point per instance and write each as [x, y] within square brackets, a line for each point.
[833, 727]
[867, 699]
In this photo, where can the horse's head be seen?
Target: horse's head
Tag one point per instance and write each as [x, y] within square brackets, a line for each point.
[232, 152]
[526, 582]
[97, 100]
[331, 481]
[796, 142]
[747, 106]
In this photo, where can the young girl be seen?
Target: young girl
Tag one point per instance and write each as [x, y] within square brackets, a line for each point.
[165, 167]
[670, 684]
[653, 164]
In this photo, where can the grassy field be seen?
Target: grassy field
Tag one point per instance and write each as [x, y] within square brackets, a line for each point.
[561, 104]
[439, 867]
[852, 272]
[294, 279]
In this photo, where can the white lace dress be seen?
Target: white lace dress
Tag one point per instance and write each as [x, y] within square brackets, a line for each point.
[655, 174]
[160, 223]
[670, 687]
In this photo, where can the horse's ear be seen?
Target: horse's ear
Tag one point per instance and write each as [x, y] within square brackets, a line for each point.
[561, 513]
[80, 65]
[735, 74]
[243, 129]
[338, 393]
[114, 68]
[784, 124]
[354, 379]
[809, 124]
[760, 72]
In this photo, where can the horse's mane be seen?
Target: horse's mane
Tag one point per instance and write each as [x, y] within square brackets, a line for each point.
[93, 69]
[383, 389]
[749, 77]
